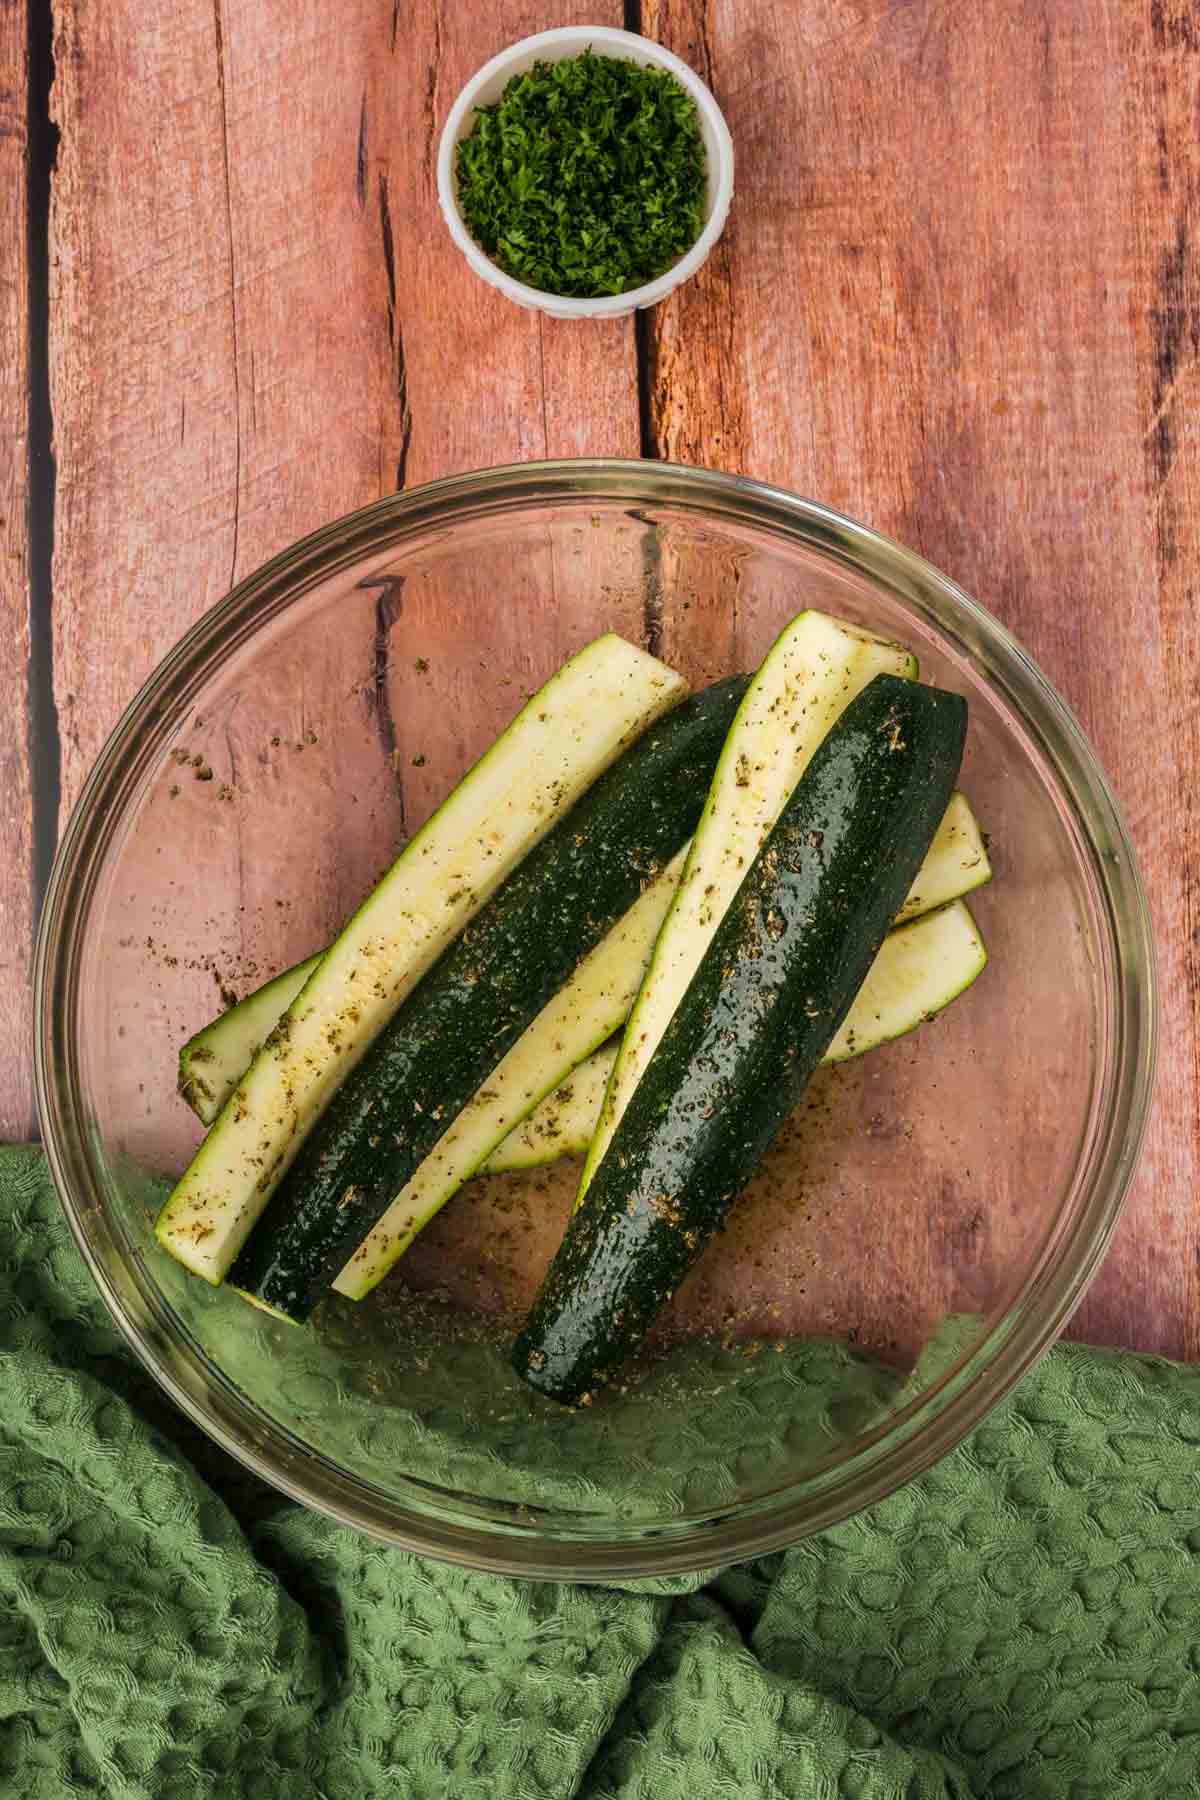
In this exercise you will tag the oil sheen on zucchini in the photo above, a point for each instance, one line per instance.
(921, 967)
(772, 986)
(473, 1006)
(562, 739)
(213, 1061)
(813, 671)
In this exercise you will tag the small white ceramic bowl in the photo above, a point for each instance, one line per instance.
(552, 46)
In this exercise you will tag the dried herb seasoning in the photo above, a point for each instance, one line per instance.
(587, 177)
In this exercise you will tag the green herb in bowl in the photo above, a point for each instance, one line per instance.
(587, 177)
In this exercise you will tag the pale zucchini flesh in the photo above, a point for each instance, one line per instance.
(583, 1013)
(956, 863)
(560, 1125)
(815, 668)
(563, 738)
(920, 968)
(213, 1061)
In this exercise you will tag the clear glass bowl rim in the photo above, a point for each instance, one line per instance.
(912, 1439)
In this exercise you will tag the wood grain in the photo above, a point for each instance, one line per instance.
(16, 798)
(1151, 735)
(958, 298)
(259, 323)
(258, 314)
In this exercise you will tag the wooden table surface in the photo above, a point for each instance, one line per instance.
(959, 297)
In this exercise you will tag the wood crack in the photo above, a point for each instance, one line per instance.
(542, 383)
(395, 331)
(646, 356)
(239, 836)
(706, 46)
(1175, 341)
(388, 608)
(406, 418)
(1167, 402)
(360, 163)
(43, 723)
(237, 389)
(652, 596)
(1174, 334)
(430, 101)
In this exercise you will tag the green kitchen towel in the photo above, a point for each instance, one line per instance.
(1022, 1621)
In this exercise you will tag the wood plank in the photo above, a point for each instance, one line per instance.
(975, 326)
(1155, 765)
(260, 323)
(248, 340)
(483, 381)
(16, 790)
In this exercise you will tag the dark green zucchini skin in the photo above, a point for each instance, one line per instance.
(478, 998)
(776, 981)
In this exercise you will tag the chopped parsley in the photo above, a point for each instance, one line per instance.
(587, 176)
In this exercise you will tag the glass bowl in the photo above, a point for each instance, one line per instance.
(927, 1222)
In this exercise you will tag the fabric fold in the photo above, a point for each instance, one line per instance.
(1023, 1620)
